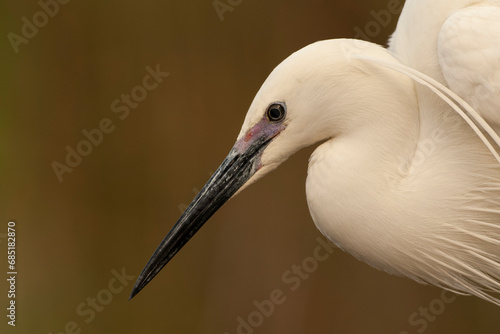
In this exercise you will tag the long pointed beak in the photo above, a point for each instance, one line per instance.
(241, 163)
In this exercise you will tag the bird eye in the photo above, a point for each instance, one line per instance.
(276, 112)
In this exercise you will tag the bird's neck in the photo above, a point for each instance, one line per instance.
(377, 132)
(375, 153)
(352, 178)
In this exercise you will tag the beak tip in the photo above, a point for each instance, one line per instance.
(235, 170)
(135, 290)
(148, 273)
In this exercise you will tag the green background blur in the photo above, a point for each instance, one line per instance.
(112, 211)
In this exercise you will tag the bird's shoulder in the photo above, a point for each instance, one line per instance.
(469, 56)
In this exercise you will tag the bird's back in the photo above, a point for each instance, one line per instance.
(456, 42)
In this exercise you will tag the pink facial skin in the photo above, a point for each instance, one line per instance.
(260, 134)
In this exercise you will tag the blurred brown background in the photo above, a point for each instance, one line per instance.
(112, 210)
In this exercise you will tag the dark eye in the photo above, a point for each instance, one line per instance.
(276, 112)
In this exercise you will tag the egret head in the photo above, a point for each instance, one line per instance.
(313, 95)
(293, 109)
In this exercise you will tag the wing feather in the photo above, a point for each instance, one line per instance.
(469, 55)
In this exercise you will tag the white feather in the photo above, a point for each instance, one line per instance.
(407, 176)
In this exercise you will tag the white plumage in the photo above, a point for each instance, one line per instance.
(470, 41)
(402, 182)
(400, 179)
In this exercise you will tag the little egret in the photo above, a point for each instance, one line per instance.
(407, 174)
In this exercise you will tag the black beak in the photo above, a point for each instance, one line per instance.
(235, 170)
